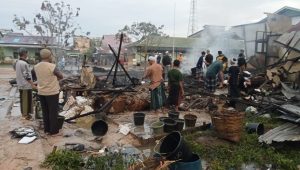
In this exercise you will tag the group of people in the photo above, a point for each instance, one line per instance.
(157, 73)
(46, 84)
(214, 72)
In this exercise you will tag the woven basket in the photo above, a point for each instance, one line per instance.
(228, 124)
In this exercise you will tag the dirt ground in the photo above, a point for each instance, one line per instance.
(14, 156)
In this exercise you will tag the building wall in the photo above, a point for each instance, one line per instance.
(295, 20)
(248, 33)
(11, 53)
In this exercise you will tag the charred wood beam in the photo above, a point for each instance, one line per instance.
(117, 59)
(122, 66)
(102, 109)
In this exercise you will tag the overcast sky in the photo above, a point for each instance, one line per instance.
(108, 16)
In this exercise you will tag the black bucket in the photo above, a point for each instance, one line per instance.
(170, 125)
(139, 119)
(190, 120)
(257, 128)
(180, 124)
(173, 147)
(173, 114)
(60, 121)
(163, 118)
(99, 128)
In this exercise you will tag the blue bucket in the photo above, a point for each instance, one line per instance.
(194, 163)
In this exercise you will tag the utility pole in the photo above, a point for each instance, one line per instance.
(192, 28)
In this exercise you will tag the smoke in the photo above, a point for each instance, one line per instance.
(213, 38)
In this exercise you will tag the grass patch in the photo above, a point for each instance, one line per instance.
(63, 160)
(71, 160)
(225, 155)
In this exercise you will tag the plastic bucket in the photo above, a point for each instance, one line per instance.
(173, 147)
(257, 128)
(170, 125)
(60, 121)
(163, 118)
(139, 119)
(190, 120)
(99, 128)
(173, 114)
(157, 127)
(193, 164)
(180, 124)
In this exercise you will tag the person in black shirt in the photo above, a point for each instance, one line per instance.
(199, 69)
(242, 62)
(166, 61)
(208, 58)
(233, 81)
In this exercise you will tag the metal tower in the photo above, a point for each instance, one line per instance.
(192, 28)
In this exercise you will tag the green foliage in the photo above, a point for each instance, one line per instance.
(248, 150)
(63, 160)
(71, 160)
(113, 162)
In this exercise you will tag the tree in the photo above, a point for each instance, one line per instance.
(142, 32)
(54, 20)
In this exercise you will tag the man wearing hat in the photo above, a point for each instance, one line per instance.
(233, 81)
(154, 73)
(25, 84)
(48, 89)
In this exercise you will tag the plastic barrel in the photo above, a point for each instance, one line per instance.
(190, 120)
(99, 128)
(170, 125)
(157, 127)
(257, 128)
(173, 114)
(139, 119)
(60, 120)
(173, 147)
(179, 124)
(193, 164)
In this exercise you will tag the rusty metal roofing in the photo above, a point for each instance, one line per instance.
(285, 132)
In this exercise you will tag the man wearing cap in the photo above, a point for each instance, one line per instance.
(48, 89)
(154, 73)
(233, 81)
(25, 84)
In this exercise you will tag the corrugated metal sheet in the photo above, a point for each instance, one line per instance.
(285, 132)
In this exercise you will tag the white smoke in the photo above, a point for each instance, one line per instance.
(215, 40)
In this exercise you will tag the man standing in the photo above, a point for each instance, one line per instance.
(208, 58)
(233, 79)
(154, 73)
(175, 85)
(158, 58)
(199, 65)
(48, 90)
(242, 61)
(25, 84)
(220, 58)
(180, 57)
(216, 68)
(166, 61)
